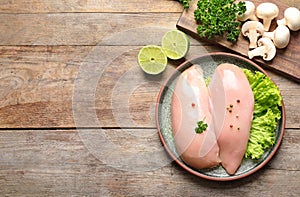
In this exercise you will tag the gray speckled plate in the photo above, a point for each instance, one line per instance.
(208, 63)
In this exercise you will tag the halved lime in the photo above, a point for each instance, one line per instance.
(176, 44)
(152, 59)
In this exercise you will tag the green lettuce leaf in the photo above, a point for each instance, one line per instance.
(266, 114)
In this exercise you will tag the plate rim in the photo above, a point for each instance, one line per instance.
(191, 170)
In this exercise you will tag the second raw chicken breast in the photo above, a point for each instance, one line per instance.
(233, 104)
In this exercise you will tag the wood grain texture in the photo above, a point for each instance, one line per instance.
(74, 28)
(286, 60)
(127, 101)
(58, 163)
(88, 6)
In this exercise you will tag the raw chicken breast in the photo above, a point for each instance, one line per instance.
(233, 104)
(191, 104)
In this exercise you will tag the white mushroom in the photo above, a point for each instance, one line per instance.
(291, 19)
(249, 14)
(280, 36)
(265, 48)
(252, 29)
(267, 12)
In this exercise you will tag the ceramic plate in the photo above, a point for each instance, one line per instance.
(163, 118)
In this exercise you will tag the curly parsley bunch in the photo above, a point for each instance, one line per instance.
(217, 17)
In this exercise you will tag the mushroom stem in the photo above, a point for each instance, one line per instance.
(253, 36)
(267, 23)
(253, 18)
(282, 22)
(269, 34)
(259, 51)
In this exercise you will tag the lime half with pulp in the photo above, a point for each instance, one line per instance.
(152, 59)
(176, 44)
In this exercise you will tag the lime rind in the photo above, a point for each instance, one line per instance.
(176, 44)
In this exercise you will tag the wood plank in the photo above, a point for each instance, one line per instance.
(28, 72)
(57, 163)
(286, 61)
(76, 28)
(57, 6)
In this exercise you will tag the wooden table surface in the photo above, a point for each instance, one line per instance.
(77, 113)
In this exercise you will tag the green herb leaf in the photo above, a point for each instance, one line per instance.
(218, 17)
(185, 3)
(201, 126)
(207, 81)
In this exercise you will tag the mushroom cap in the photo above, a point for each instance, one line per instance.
(252, 25)
(270, 49)
(267, 10)
(281, 36)
(250, 10)
(292, 17)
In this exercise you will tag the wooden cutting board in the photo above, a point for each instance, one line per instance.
(286, 61)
